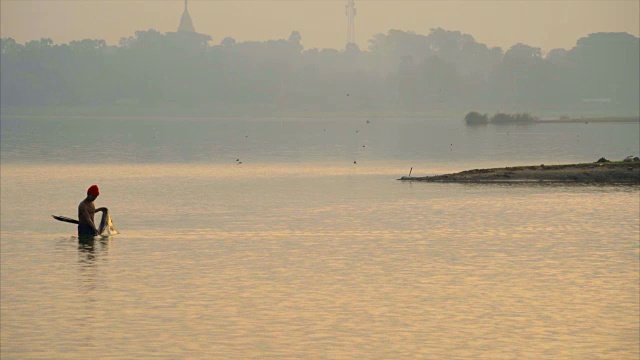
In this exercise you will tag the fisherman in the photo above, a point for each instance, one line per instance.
(86, 212)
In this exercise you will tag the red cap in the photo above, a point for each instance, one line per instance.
(93, 190)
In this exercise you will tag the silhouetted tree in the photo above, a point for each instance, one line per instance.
(399, 71)
(606, 66)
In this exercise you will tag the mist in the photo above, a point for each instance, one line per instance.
(187, 73)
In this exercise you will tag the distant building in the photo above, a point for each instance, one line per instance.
(186, 25)
(351, 12)
(186, 36)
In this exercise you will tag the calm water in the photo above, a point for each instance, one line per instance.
(300, 253)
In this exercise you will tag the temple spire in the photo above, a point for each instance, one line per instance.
(186, 25)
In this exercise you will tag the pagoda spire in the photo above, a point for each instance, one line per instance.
(186, 25)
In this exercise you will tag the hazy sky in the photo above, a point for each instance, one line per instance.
(322, 23)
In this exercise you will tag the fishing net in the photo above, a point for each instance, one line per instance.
(106, 225)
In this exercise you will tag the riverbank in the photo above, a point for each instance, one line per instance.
(599, 173)
(168, 111)
(610, 119)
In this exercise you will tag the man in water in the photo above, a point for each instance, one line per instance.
(86, 211)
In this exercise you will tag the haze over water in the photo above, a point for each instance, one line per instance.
(300, 253)
(248, 156)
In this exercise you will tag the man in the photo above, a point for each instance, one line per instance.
(86, 212)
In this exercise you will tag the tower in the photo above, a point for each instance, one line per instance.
(186, 25)
(350, 11)
(186, 37)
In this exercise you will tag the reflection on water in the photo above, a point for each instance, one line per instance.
(304, 265)
(90, 247)
(92, 255)
(91, 252)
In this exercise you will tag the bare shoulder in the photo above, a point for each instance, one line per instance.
(85, 206)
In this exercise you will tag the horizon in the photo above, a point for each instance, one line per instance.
(548, 25)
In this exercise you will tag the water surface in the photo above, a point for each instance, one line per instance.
(299, 253)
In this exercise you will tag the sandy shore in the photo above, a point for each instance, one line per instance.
(600, 173)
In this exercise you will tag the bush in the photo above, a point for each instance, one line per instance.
(476, 118)
(518, 118)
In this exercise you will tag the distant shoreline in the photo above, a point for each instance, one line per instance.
(585, 173)
(603, 119)
(587, 120)
(170, 112)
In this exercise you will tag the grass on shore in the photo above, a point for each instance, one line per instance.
(562, 166)
(594, 119)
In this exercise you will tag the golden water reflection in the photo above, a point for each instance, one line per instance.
(333, 266)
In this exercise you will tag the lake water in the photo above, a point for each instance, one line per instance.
(298, 252)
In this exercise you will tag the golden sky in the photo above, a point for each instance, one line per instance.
(322, 23)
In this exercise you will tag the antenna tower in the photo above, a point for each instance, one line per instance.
(350, 11)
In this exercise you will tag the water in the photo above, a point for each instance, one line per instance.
(300, 253)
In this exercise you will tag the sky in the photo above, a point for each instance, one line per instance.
(322, 23)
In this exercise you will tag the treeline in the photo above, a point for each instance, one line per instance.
(475, 118)
(400, 71)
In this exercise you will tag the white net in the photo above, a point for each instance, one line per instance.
(106, 225)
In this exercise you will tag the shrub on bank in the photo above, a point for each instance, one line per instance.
(511, 118)
(476, 118)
